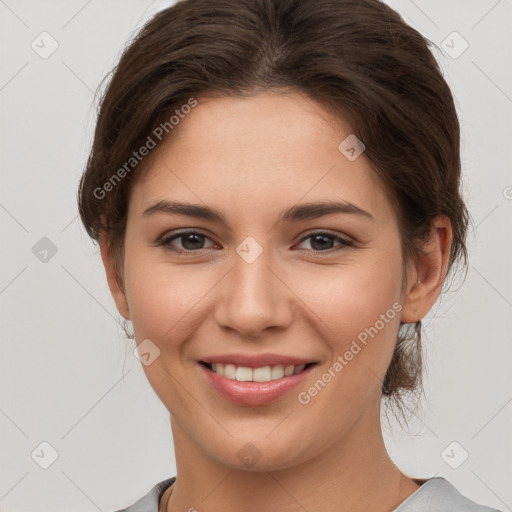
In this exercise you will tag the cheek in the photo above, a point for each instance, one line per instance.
(162, 297)
(359, 308)
(168, 300)
(352, 297)
(165, 301)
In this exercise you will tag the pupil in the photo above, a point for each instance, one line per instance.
(192, 241)
(321, 246)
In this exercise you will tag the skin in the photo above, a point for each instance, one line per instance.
(252, 158)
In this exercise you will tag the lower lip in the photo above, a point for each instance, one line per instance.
(254, 393)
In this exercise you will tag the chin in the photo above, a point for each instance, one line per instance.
(260, 454)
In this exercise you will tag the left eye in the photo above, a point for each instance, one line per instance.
(323, 241)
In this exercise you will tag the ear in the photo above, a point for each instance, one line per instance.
(425, 278)
(114, 281)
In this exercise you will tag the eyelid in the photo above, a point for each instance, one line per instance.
(334, 234)
(344, 241)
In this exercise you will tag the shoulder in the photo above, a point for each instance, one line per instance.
(150, 501)
(435, 495)
(439, 495)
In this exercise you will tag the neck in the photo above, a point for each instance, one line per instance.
(355, 472)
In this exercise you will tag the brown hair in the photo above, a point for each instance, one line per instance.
(358, 57)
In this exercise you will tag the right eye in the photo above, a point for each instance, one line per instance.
(190, 241)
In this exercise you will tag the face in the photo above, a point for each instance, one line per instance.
(270, 288)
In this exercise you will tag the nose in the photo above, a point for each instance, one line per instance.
(253, 298)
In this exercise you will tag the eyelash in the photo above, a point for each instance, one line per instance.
(166, 242)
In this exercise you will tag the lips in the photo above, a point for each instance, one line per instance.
(254, 379)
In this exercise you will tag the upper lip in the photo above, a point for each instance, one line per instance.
(256, 360)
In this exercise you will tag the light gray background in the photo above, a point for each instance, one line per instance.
(63, 352)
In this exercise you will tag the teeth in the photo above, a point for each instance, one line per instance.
(298, 369)
(288, 371)
(263, 374)
(229, 371)
(243, 374)
(277, 372)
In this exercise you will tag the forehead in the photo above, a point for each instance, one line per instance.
(259, 152)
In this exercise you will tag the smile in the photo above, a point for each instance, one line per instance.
(254, 380)
(261, 374)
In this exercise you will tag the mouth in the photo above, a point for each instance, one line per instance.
(261, 374)
(254, 381)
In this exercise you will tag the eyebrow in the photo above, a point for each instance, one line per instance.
(295, 213)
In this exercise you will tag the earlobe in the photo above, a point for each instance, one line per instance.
(113, 280)
(429, 271)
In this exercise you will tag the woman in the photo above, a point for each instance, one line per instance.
(275, 189)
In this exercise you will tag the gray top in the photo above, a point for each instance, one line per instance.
(435, 495)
